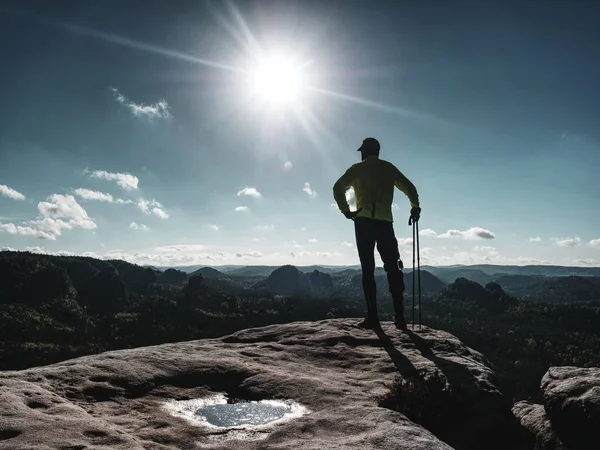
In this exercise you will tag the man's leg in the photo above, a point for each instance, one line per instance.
(387, 246)
(365, 244)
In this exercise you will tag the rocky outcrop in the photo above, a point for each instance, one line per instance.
(534, 419)
(340, 373)
(572, 402)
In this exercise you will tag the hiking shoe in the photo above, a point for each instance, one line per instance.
(369, 324)
(400, 323)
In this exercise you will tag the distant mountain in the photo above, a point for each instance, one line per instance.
(430, 284)
(491, 297)
(533, 270)
(520, 285)
(289, 280)
(194, 268)
(449, 274)
(482, 273)
(252, 271)
(322, 269)
(218, 280)
(545, 271)
(348, 284)
(172, 277)
(345, 273)
(211, 274)
(320, 282)
(566, 290)
(285, 280)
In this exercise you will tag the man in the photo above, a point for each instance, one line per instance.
(373, 180)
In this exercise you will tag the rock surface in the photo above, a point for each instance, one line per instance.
(533, 418)
(339, 372)
(572, 401)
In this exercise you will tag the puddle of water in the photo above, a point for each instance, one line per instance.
(244, 413)
(214, 412)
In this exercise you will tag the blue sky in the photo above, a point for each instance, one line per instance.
(136, 129)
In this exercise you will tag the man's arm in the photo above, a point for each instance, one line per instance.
(409, 189)
(340, 187)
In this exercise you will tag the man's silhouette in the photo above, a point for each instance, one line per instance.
(373, 180)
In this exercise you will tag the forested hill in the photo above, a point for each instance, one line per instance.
(53, 308)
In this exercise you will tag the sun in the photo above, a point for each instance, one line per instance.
(277, 80)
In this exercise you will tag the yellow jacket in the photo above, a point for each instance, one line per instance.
(373, 180)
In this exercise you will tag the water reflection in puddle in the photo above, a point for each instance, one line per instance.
(244, 413)
(216, 412)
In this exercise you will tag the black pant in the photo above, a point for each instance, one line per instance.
(368, 233)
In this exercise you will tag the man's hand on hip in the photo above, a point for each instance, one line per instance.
(351, 214)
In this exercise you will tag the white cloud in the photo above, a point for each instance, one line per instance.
(309, 190)
(351, 198)
(395, 206)
(159, 110)
(348, 244)
(242, 208)
(594, 243)
(160, 213)
(259, 239)
(8, 249)
(313, 241)
(189, 254)
(249, 255)
(251, 192)
(587, 262)
(265, 227)
(567, 242)
(7, 192)
(36, 249)
(138, 226)
(404, 241)
(61, 212)
(151, 207)
(88, 194)
(535, 239)
(295, 244)
(287, 165)
(52, 226)
(214, 227)
(62, 207)
(470, 234)
(181, 248)
(125, 180)
(491, 251)
(428, 232)
(19, 230)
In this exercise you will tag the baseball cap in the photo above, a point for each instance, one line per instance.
(370, 144)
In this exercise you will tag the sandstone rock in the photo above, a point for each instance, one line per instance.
(572, 401)
(533, 418)
(337, 371)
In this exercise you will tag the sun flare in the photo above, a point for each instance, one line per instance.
(277, 80)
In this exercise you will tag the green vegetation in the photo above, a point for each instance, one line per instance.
(55, 308)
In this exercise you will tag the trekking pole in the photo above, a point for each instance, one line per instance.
(412, 222)
(418, 270)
